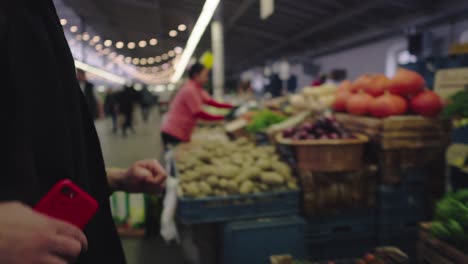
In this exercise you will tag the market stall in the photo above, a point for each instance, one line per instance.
(323, 184)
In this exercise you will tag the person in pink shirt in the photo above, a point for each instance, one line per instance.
(187, 107)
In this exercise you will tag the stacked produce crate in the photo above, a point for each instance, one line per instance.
(338, 189)
(409, 151)
(245, 194)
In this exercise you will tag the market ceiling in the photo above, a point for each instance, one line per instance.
(312, 26)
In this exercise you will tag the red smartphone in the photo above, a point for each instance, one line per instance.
(68, 202)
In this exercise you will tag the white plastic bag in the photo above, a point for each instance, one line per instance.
(168, 226)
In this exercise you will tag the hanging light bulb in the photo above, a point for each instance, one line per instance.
(131, 45)
(96, 38)
(142, 43)
(136, 61)
(151, 60)
(157, 58)
(153, 42)
(128, 60)
(119, 45)
(108, 43)
(171, 53)
(182, 27)
(173, 33)
(73, 29)
(63, 21)
(86, 36)
(143, 61)
(98, 47)
(178, 50)
(164, 56)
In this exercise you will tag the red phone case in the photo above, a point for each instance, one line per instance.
(68, 202)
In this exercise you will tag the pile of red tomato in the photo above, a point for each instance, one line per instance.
(381, 97)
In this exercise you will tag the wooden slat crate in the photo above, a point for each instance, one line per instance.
(434, 251)
(400, 131)
(325, 193)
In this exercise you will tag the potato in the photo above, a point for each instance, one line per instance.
(191, 189)
(228, 171)
(213, 181)
(263, 187)
(267, 149)
(292, 185)
(263, 164)
(271, 178)
(205, 188)
(223, 183)
(281, 168)
(246, 187)
(231, 186)
(205, 171)
(250, 173)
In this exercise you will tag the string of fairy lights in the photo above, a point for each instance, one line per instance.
(158, 66)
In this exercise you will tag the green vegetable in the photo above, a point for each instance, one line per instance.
(452, 219)
(263, 120)
(458, 106)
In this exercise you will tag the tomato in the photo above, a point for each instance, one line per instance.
(345, 86)
(359, 103)
(388, 105)
(427, 104)
(378, 85)
(406, 83)
(361, 83)
(340, 101)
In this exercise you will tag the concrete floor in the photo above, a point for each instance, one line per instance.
(122, 152)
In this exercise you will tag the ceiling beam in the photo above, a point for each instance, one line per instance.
(243, 7)
(306, 8)
(325, 24)
(395, 28)
(257, 33)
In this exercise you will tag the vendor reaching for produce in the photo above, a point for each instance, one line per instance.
(187, 107)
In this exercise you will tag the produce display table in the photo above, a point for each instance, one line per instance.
(434, 251)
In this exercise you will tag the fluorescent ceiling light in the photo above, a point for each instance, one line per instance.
(98, 72)
(197, 32)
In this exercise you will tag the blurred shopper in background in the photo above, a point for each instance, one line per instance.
(111, 108)
(322, 78)
(126, 100)
(51, 136)
(146, 101)
(187, 107)
(90, 93)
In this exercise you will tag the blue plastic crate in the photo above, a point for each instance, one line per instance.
(341, 225)
(346, 235)
(460, 135)
(237, 207)
(254, 241)
(401, 205)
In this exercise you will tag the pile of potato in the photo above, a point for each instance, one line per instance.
(226, 168)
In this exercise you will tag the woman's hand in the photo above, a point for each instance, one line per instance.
(30, 237)
(145, 176)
